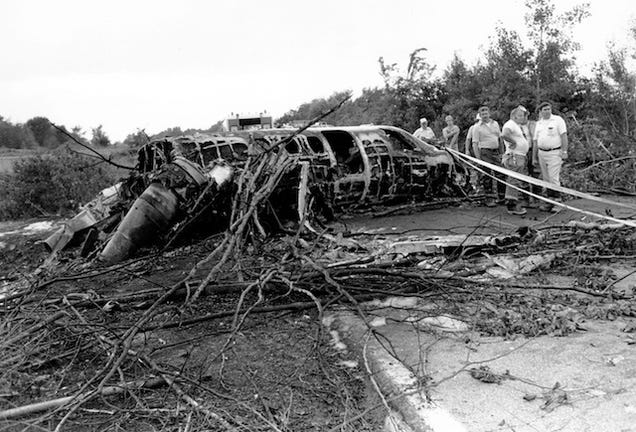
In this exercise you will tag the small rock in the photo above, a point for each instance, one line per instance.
(378, 322)
(614, 360)
(351, 364)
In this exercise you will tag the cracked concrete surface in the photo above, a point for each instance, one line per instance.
(595, 369)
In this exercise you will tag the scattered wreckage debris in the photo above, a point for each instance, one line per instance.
(271, 276)
(189, 182)
(552, 398)
(485, 375)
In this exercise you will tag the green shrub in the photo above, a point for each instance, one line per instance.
(53, 183)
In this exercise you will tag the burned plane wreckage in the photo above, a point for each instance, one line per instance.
(186, 183)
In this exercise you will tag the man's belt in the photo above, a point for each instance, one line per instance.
(550, 149)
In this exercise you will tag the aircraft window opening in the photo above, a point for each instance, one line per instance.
(341, 143)
(315, 144)
(225, 152)
(240, 149)
(209, 152)
(345, 150)
(292, 147)
(398, 142)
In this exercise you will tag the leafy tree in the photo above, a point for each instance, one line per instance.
(216, 127)
(310, 110)
(553, 47)
(413, 95)
(78, 134)
(506, 75)
(15, 136)
(136, 139)
(45, 134)
(463, 90)
(100, 139)
(41, 129)
(615, 85)
(169, 132)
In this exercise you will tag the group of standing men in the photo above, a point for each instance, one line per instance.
(520, 145)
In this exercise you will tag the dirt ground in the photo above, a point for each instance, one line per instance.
(278, 371)
(269, 366)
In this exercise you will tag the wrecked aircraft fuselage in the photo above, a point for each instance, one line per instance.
(187, 181)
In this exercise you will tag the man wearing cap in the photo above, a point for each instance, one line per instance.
(424, 132)
(515, 157)
(486, 142)
(551, 148)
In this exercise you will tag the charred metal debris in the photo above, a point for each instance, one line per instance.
(186, 184)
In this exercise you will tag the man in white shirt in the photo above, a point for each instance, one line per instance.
(515, 157)
(424, 132)
(551, 148)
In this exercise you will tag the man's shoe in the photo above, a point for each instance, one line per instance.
(516, 209)
(490, 202)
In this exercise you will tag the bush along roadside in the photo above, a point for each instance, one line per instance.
(53, 183)
(599, 160)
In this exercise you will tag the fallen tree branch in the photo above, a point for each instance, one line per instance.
(183, 395)
(618, 159)
(26, 410)
(56, 316)
(296, 306)
(78, 276)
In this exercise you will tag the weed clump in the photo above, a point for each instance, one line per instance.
(52, 184)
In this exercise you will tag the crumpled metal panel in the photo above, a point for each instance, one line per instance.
(337, 168)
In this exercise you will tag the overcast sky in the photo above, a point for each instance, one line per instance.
(130, 64)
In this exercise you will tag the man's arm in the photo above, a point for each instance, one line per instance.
(454, 136)
(535, 144)
(563, 129)
(506, 135)
(450, 135)
(564, 145)
(502, 148)
(468, 143)
(431, 138)
(475, 140)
